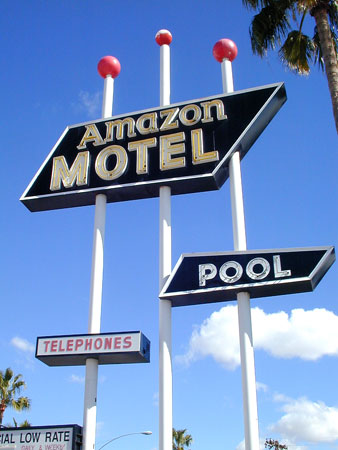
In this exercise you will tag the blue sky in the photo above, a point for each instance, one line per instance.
(49, 52)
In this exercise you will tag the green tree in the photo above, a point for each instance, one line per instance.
(181, 439)
(271, 443)
(10, 387)
(280, 23)
(24, 424)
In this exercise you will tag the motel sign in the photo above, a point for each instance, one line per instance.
(186, 146)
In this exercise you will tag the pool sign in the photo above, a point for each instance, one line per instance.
(186, 146)
(58, 437)
(216, 277)
(107, 348)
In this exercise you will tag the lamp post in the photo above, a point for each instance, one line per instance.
(123, 435)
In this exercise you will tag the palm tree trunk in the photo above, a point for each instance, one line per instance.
(329, 55)
(2, 410)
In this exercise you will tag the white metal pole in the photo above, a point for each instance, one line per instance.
(108, 95)
(163, 38)
(109, 68)
(94, 323)
(165, 359)
(227, 80)
(225, 51)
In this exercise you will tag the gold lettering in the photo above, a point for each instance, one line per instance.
(119, 126)
(172, 145)
(197, 113)
(169, 121)
(91, 134)
(141, 148)
(147, 123)
(78, 172)
(120, 165)
(198, 155)
(219, 105)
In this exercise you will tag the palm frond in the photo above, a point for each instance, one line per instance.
(25, 424)
(297, 52)
(318, 55)
(10, 387)
(16, 378)
(21, 403)
(8, 375)
(255, 4)
(332, 13)
(181, 439)
(269, 26)
(15, 424)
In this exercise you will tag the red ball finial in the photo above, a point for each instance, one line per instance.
(163, 37)
(109, 65)
(225, 49)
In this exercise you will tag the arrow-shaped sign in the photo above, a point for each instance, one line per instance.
(186, 146)
(216, 277)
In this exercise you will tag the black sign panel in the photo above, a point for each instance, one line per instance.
(217, 277)
(186, 146)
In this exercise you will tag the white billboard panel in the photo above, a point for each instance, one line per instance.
(108, 348)
(63, 437)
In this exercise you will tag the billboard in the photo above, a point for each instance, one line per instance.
(58, 437)
(107, 348)
(217, 277)
(186, 146)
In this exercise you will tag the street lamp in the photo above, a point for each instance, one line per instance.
(123, 435)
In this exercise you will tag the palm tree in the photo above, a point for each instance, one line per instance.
(24, 424)
(10, 387)
(181, 439)
(272, 27)
(271, 443)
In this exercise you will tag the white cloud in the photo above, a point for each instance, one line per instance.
(303, 334)
(77, 379)
(312, 422)
(241, 445)
(99, 426)
(91, 103)
(156, 399)
(81, 380)
(22, 344)
(217, 337)
(261, 387)
(277, 397)
(102, 379)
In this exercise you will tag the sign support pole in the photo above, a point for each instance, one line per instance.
(225, 52)
(163, 38)
(109, 68)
